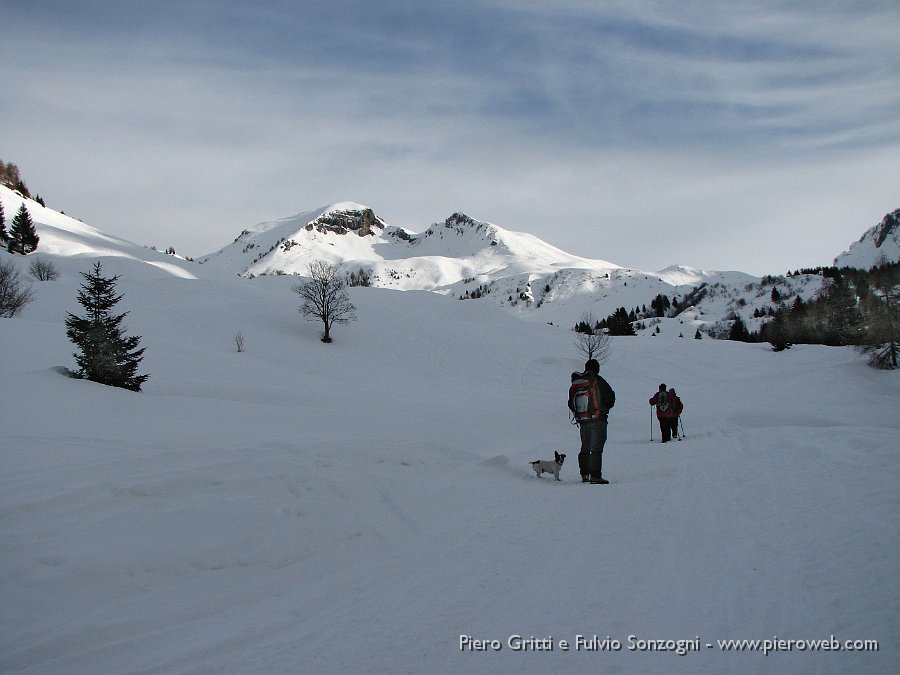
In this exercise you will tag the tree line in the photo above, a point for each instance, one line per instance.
(859, 308)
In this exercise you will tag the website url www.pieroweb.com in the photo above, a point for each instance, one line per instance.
(777, 644)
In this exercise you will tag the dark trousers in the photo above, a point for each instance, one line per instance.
(669, 428)
(593, 438)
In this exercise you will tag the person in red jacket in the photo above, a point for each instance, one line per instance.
(668, 409)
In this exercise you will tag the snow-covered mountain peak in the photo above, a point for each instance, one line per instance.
(347, 217)
(344, 231)
(339, 218)
(683, 275)
(459, 234)
(467, 258)
(880, 244)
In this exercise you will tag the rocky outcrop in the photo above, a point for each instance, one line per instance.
(890, 224)
(362, 223)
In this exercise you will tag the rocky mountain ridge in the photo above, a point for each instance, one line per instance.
(468, 259)
(878, 245)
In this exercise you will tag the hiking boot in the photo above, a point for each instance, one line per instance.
(599, 480)
(585, 479)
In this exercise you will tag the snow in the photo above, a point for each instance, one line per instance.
(437, 259)
(463, 257)
(878, 245)
(360, 506)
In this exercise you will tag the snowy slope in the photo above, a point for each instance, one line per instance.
(353, 236)
(251, 512)
(360, 506)
(470, 259)
(63, 236)
(344, 231)
(879, 244)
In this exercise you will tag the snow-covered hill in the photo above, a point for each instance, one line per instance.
(470, 259)
(364, 506)
(879, 244)
(460, 257)
(353, 236)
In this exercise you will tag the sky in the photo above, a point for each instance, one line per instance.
(758, 136)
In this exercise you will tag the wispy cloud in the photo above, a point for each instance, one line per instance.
(641, 132)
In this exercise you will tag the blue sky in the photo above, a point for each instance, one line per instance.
(757, 135)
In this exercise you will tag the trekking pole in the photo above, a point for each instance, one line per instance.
(682, 426)
(651, 424)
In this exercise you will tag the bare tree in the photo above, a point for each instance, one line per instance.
(325, 297)
(590, 341)
(13, 295)
(43, 270)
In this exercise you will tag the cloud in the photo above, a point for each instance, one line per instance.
(671, 130)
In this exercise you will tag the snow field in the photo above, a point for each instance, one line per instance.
(357, 507)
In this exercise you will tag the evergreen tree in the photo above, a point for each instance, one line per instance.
(880, 306)
(107, 355)
(660, 304)
(839, 318)
(23, 237)
(619, 322)
(4, 235)
(739, 331)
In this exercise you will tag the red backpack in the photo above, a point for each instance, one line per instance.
(583, 399)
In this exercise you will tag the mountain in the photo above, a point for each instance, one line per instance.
(880, 244)
(352, 235)
(367, 506)
(460, 257)
(469, 259)
(465, 258)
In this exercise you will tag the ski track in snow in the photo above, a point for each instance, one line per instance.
(357, 507)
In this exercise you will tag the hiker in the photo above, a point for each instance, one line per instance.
(590, 399)
(668, 409)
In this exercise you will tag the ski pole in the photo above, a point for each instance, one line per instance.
(682, 426)
(651, 424)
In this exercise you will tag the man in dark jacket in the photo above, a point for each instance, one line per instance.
(668, 410)
(592, 420)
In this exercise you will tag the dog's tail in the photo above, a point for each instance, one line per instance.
(537, 461)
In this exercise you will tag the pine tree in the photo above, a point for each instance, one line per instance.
(23, 237)
(739, 331)
(660, 305)
(4, 235)
(107, 356)
(620, 322)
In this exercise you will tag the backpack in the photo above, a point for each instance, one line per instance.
(662, 403)
(583, 401)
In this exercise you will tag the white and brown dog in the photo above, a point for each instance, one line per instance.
(546, 466)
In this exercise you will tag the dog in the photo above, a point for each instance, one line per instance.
(546, 466)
